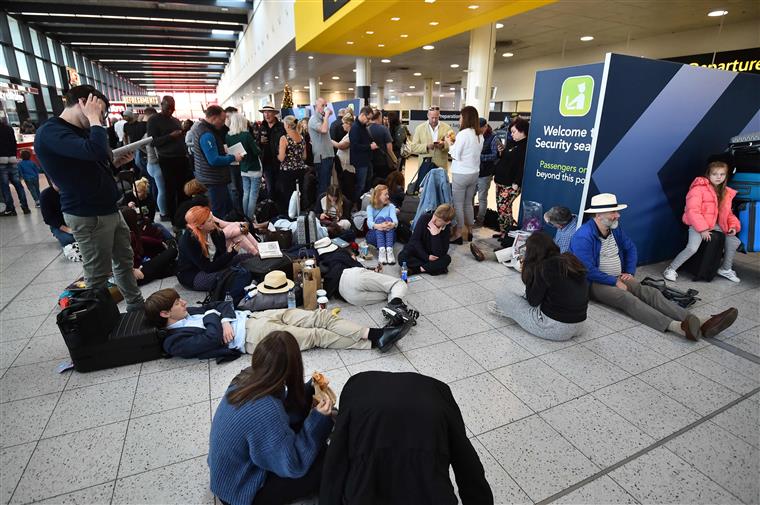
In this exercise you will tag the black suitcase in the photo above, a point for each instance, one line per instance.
(99, 337)
(259, 268)
(705, 263)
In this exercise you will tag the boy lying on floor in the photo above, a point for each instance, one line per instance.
(217, 330)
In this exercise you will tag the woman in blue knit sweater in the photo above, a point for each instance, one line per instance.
(267, 444)
(382, 221)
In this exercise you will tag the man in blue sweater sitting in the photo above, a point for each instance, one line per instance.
(74, 150)
(610, 257)
(212, 163)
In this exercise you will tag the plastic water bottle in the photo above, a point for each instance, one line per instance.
(228, 297)
(291, 299)
(404, 273)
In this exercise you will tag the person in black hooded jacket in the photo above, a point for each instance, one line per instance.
(508, 174)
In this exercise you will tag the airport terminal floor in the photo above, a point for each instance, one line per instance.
(624, 414)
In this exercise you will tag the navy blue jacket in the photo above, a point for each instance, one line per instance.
(586, 244)
(360, 148)
(202, 343)
(79, 163)
(191, 259)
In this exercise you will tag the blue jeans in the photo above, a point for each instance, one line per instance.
(219, 196)
(33, 185)
(361, 180)
(251, 187)
(382, 238)
(154, 170)
(63, 238)
(324, 174)
(9, 175)
(235, 187)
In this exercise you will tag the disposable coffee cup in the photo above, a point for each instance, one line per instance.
(321, 293)
(322, 302)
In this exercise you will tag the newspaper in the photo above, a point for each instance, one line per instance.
(236, 149)
(269, 250)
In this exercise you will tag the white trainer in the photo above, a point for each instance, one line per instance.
(729, 274)
(382, 257)
(389, 256)
(670, 274)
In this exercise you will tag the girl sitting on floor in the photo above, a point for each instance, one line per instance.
(334, 210)
(382, 221)
(428, 249)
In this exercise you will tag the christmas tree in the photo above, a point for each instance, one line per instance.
(287, 97)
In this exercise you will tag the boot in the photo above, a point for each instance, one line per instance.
(391, 335)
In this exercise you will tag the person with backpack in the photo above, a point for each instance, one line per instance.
(554, 303)
(708, 208)
(399, 134)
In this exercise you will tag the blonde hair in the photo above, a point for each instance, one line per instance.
(445, 212)
(289, 122)
(303, 126)
(376, 192)
(141, 184)
(348, 118)
(238, 123)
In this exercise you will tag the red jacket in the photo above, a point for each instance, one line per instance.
(702, 212)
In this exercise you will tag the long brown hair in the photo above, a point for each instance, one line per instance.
(395, 180)
(195, 218)
(720, 189)
(470, 119)
(539, 248)
(275, 365)
(335, 192)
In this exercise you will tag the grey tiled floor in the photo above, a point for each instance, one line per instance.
(543, 416)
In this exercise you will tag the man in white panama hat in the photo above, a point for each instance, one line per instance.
(610, 257)
(268, 140)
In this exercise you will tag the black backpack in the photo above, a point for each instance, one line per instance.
(232, 281)
(683, 298)
(266, 210)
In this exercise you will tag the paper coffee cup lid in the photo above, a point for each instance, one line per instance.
(322, 299)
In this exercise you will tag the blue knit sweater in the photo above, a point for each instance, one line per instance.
(254, 438)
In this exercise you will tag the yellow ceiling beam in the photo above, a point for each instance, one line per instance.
(353, 21)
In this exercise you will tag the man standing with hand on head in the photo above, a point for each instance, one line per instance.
(74, 150)
(169, 142)
(319, 131)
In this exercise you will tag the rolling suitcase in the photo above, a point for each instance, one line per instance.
(705, 263)
(750, 232)
(99, 337)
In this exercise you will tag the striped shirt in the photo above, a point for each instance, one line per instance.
(609, 256)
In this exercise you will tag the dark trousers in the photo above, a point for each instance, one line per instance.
(286, 184)
(159, 267)
(324, 174)
(437, 267)
(270, 180)
(176, 173)
(235, 188)
(219, 197)
(278, 490)
(361, 180)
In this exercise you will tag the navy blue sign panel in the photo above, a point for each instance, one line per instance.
(560, 136)
(660, 121)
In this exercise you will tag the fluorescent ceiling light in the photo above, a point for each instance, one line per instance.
(311, 57)
(335, 77)
(433, 23)
(395, 19)
(454, 65)
(508, 55)
(473, 7)
(428, 48)
(369, 32)
(350, 89)
(222, 32)
(381, 45)
(404, 35)
(389, 80)
(717, 14)
(412, 87)
(417, 74)
(452, 89)
(499, 25)
(437, 82)
(587, 38)
(350, 42)
(385, 60)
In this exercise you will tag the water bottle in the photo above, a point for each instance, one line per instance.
(404, 273)
(291, 299)
(228, 297)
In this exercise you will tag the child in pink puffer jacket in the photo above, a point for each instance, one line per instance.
(708, 207)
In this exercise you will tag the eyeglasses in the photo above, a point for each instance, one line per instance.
(434, 107)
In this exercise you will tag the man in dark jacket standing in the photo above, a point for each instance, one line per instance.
(168, 140)
(212, 163)
(360, 149)
(268, 140)
(74, 150)
(406, 429)
(488, 158)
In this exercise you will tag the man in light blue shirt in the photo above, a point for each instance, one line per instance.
(566, 223)
(321, 145)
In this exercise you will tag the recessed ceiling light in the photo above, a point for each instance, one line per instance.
(473, 7)
(369, 32)
(433, 23)
(437, 82)
(258, 87)
(454, 65)
(381, 45)
(391, 91)
(350, 89)
(404, 35)
(508, 55)
(429, 1)
(428, 48)
(267, 83)
(321, 83)
(311, 57)
(389, 80)
(412, 87)
(587, 38)
(452, 89)
(385, 60)
(335, 77)
(395, 19)
(353, 70)
(350, 42)
(417, 74)
(499, 25)
(276, 76)
(717, 14)
(291, 68)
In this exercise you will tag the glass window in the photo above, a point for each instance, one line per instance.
(15, 33)
(46, 99)
(51, 50)
(23, 70)
(41, 72)
(30, 103)
(65, 54)
(57, 76)
(35, 42)
(3, 65)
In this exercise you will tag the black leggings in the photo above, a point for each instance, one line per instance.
(278, 490)
(437, 267)
(286, 184)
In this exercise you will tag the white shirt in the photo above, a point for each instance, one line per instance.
(433, 131)
(466, 152)
(118, 127)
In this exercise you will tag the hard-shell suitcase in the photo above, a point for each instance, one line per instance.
(706, 261)
(750, 221)
(747, 186)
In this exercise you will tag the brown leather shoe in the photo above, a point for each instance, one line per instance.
(719, 322)
(690, 326)
(475, 250)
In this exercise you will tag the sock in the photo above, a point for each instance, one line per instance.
(675, 327)
(374, 335)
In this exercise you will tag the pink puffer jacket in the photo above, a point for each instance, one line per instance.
(702, 210)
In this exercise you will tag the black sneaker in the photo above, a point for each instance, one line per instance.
(399, 313)
(26, 210)
(11, 212)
